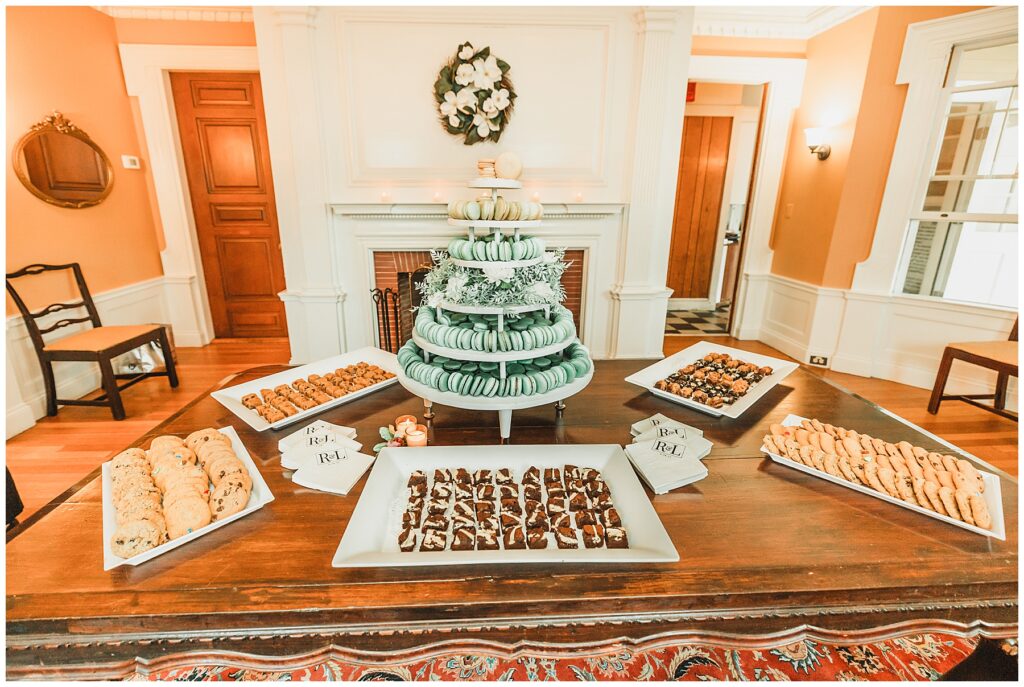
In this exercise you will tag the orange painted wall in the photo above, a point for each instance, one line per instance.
(827, 211)
(170, 32)
(66, 59)
(732, 46)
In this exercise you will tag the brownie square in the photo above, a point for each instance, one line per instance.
(532, 493)
(464, 539)
(411, 518)
(508, 491)
(556, 505)
(532, 505)
(537, 519)
(407, 539)
(532, 476)
(442, 490)
(565, 537)
(436, 506)
(417, 491)
(487, 540)
(483, 509)
(552, 475)
(462, 476)
(596, 488)
(592, 475)
(571, 472)
(484, 492)
(464, 509)
(536, 539)
(616, 537)
(482, 477)
(576, 485)
(435, 522)
(460, 522)
(584, 517)
(561, 521)
(602, 502)
(514, 538)
(443, 475)
(556, 492)
(434, 540)
(418, 477)
(593, 536)
(463, 491)
(504, 476)
(610, 518)
(508, 521)
(488, 523)
(578, 502)
(511, 506)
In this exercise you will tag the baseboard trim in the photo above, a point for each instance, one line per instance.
(690, 304)
(19, 418)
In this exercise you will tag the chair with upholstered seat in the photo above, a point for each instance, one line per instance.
(1000, 356)
(99, 344)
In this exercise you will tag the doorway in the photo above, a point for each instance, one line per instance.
(717, 157)
(223, 136)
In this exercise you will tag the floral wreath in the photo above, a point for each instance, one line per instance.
(474, 95)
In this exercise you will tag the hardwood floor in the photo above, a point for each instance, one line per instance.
(57, 452)
(985, 435)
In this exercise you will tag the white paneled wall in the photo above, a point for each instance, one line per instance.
(140, 303)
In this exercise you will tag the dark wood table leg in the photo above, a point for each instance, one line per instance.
(172, 372)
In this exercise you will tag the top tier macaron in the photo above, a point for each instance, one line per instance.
(497, 210)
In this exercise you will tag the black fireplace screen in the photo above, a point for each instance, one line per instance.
(394, 309)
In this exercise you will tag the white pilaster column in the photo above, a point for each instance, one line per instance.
(289, 64)
(640, 296)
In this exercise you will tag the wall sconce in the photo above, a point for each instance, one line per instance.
(816, 142)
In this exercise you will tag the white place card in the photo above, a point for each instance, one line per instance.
(664, 465)
(671, 428)
(644, 425)
(318, 428)
(312, 446)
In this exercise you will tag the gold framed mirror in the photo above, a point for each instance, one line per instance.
(58, 163)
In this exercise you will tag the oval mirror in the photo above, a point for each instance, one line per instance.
(60, 164)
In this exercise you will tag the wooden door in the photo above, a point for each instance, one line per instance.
(702, 161)
(224, 141)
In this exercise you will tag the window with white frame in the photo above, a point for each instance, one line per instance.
(962, 239)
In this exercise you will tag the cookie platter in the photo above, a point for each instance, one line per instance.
(992, 493)
(648, 377)
(231, 397)
(371, 537)
(258, 497)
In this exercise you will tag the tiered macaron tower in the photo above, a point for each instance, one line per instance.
(492, 334)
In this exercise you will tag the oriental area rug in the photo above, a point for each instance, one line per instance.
(910, 657)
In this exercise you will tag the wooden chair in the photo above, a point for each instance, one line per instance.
(1000, 356)
(99, 344)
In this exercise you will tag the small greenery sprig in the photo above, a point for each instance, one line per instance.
(392, 439)
(539, 284)
(474, 95)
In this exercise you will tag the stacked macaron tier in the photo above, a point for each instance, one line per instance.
(473, 332)
(496, 248)
(527, 377)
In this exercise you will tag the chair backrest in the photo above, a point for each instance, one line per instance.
(34, 331)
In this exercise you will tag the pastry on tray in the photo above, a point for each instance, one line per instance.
(176, 487)
(941, 483)
(287, 400)
(715, 380)
(499, 513)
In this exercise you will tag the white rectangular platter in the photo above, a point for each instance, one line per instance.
(231, 397)
(371, 538)
(259, 497)
(993, 494)
(647, 377)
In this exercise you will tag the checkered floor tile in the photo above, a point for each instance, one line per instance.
(698, 322)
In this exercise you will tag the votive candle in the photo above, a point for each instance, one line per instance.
(414, 437)
(404, 423)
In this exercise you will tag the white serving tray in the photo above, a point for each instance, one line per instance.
(647, 377)
(259, 497)
(494, 182)
(371, 538)
(231, 397)
(993, 494)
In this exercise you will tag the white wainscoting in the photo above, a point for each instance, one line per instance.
(143, 302)
(899, 338)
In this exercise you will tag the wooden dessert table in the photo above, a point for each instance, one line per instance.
(766, 553)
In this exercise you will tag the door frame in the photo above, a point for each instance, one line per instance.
(784, 77)
(146, 69)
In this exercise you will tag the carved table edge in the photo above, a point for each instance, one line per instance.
(331, 651)
(28, 641)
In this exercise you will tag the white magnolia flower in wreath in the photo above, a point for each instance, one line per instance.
(474, 95)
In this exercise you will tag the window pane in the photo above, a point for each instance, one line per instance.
(975, 262)
(985, 196)
(991, 64)
(986, 99)
(978, 144)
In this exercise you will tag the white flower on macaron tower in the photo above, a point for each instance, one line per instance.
(541, 290)
(498, 274)
(435, 299)
(549, 257)
(456, 285)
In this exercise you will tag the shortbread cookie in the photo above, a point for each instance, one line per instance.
(135, 537)
(186, 515)
(167, 441)
(228, 498)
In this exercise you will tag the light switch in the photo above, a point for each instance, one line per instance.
(130, 162)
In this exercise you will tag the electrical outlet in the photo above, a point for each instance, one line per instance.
(819, 360)
(130, 162)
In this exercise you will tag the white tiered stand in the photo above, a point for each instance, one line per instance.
(504, 406)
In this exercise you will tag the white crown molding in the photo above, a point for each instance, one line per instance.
(770, 22)
(216, 14)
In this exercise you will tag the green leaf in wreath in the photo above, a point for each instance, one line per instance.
(472, 137)
(483, 54)
(502, 64)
